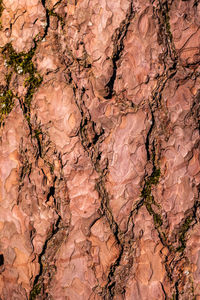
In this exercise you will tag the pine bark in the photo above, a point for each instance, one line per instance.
(99, 149)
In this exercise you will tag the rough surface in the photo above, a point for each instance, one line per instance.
(99, 155)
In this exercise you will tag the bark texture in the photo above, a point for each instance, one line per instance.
(99, 149)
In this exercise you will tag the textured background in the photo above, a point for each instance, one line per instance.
(99, 149)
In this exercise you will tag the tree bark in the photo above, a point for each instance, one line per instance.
(99, 149)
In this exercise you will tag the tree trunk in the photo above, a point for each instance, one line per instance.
(99, 149)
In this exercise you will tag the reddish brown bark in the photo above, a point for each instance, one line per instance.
(99, 163)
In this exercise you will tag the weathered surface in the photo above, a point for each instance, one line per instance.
(99, 155)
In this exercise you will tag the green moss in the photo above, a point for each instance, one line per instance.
(157, 220)
(51, 166)
(33, 82)
(148, 197)
(156, 217)
(8, 78)
(1, 10)
(6, 99)
(37, 133)
(167, 24)
(152, 180)
(184, 228)
(1, 7)
(35, 291)
(6, 104)
(22, 64)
